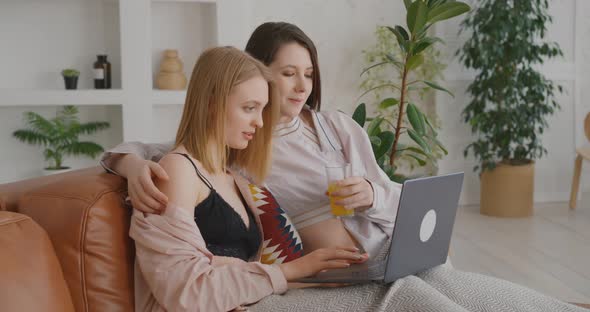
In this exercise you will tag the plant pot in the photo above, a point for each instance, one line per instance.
(507, 191)
(71, 83)
(48, 171)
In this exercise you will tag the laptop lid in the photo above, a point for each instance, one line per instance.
(424, 224)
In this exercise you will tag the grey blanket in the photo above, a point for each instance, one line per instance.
(442, 288)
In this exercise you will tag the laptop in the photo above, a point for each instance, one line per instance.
(421, 235)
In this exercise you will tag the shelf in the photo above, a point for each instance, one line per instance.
(189, 27)
(47, 36)
(26, 97)
(168, 97)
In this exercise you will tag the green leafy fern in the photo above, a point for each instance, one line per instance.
(60, 135)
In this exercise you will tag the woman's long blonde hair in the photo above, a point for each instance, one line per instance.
(217, 71)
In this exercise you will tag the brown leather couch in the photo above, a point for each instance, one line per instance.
(64, 244)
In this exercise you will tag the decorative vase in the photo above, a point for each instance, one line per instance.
(507, 191)
(71, 82)
(47, 171)
(102, 72)
(171, 76)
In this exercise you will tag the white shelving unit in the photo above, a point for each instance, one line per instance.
(32, 97)
(42, 38)
(132, 33)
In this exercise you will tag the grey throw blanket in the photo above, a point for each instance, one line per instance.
(442, 288)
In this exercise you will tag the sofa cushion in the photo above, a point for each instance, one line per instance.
(88, 225)
(32, 279)
(281, 242)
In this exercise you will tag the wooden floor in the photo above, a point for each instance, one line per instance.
(549, 252)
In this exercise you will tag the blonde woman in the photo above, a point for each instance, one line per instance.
(194, 257)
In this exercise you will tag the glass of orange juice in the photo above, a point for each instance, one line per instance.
(336, 173)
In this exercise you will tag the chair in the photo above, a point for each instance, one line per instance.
(581, 154)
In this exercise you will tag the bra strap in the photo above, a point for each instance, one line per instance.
(209, 185)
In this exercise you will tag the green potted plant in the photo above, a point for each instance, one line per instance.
(59, 136)
(408, 120)
(70, 78)
(510, 99)
(411, 164)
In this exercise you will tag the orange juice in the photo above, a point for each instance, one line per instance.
(338, 210)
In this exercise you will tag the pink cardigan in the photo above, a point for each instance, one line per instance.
(174, 270)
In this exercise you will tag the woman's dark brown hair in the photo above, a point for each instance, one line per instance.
(266, 40)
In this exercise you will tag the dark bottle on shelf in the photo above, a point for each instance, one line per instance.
(102, 73)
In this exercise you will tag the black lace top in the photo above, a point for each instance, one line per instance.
(222, 227)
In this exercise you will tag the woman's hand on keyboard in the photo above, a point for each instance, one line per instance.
(319, 260)
(322, 285)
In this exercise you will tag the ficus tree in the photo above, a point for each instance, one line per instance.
(510, 98)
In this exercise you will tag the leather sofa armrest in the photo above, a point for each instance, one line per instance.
(32, 279)
(86, 218)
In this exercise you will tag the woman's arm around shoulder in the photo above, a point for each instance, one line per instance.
(135, 161)
(152, 151)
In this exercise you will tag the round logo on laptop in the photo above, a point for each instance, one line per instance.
(428, 225)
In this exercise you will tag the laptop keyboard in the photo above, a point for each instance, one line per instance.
(372, 270)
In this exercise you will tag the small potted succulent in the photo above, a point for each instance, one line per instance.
(70, 78)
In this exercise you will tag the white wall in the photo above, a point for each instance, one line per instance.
(341, 30)
(36, 47)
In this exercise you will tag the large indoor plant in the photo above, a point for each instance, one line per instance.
(510, 99)
(60, 136)
(377, 99)
(409, 120)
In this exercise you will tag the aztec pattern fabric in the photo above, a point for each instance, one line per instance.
(281, 242)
